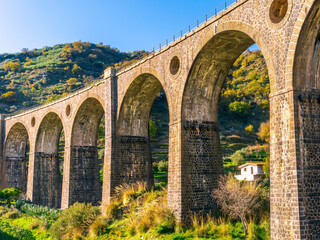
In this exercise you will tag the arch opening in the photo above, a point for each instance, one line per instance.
(306, 70)
(85, 164)
(201, 151)
(48, 163)
(134, 157)
(15, 167)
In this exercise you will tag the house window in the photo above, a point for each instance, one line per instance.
(245, 169)
(251, 170)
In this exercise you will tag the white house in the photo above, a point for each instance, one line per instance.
(251, 171)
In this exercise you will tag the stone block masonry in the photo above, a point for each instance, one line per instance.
(191, 71)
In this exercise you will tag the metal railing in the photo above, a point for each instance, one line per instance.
(178, 36)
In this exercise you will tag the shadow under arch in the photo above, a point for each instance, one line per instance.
(85, 185)
(200, 143)
(14, 168)
(134, 154)
(306, 67)
(47, 177)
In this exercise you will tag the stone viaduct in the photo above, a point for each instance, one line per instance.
(191, 71)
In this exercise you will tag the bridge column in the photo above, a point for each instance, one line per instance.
(2, 160)
(109, 166)
(195, 165)
(47, 182)
(295, 165)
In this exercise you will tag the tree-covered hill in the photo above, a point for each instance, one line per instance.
(43, 75)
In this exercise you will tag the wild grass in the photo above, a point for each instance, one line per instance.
(135, 213)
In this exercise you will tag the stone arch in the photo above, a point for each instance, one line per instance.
(200, 142)
(245, 29)
(293, 43)
(85, 183)
(148, 71)
(15, 157)
(47, 178)
(134, 156)
(306, 66)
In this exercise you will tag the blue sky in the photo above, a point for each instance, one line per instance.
(124, 24)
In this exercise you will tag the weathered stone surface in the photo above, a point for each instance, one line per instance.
(192, 71)
(85, 185)
(134, 160)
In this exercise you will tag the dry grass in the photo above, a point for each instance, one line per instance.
(126, 192)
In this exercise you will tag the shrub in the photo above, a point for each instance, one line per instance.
(9, 195)
(126, 192)
(76, 69)
(264, 132)
(240, 108)
(153, 214)
(153, 128)
(74, 221)
(163, 166)
(12, 66)
(72, 81)
(239, 156)
(249, 131)
(266, 167)
(9, 97)
(239, 200)
(14, 232)
(41, 212)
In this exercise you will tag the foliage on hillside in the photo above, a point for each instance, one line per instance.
(43, 75)
(245, 95)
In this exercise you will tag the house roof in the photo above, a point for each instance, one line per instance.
(253, 163)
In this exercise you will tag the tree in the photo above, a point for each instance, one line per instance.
(9, 96)
(12, 66)
(72, 81)
(25, 50)
(266, 167)
(240, 108)
(239, 156)
(238, 199)
(76, 69)
(249, 131)
(153, 128)
(264, 131)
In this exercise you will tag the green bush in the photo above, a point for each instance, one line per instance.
(9, 195)
(75, 221)
(45, 213)
(9, 97)
(239, 156)
(163, 166)
(14, 232)
(240, 108)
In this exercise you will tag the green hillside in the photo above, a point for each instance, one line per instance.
(42, 75)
